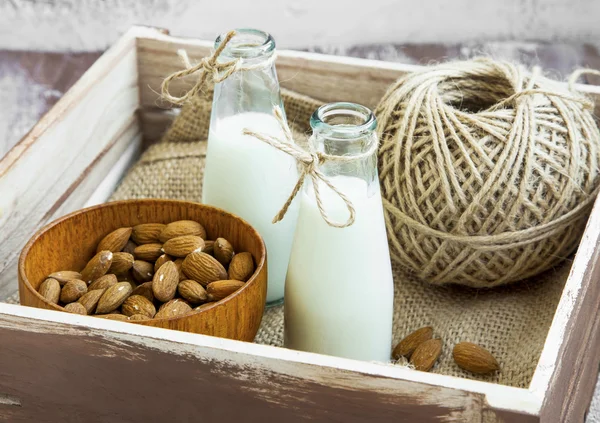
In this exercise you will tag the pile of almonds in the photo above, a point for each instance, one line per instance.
(150, 271)
(423, 352)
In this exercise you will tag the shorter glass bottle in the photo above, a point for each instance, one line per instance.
(339, 288)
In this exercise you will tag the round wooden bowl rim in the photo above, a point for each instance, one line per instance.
(260, 265)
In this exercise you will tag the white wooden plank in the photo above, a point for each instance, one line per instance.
(123, 163)
(459, 400)
(95, 185)
(324, 77)
(61, 151)
(568, 365)
(327, 78)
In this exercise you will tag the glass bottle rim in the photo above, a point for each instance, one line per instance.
(319, 121)
(247, 43)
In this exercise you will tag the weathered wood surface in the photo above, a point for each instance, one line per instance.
(31, 83)
(567, 370)
(114, 371)
(87, 131)
(91, 24)
(359, 80)
(579, 381)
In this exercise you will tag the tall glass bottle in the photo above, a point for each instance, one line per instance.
(244, 175)
(339, 287)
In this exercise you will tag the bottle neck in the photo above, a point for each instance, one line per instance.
(346, 129)
(255, 87)
(249, 45)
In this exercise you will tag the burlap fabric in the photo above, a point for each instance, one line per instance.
(511, 322)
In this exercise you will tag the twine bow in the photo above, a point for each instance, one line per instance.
(209, 69)
(309, 162)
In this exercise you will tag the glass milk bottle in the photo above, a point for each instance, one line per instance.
(339, 288)
(244, 175)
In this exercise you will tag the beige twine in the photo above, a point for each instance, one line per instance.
(208, 67)
(488, 171)
(309, 162)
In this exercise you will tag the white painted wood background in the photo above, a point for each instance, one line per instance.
(80, 25)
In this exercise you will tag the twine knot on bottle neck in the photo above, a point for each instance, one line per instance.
(209, 69)
(310, 162)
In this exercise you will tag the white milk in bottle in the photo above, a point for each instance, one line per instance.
(339, 287)
(243, 175)
(252, 180)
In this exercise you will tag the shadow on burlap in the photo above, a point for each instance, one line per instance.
(512, 322)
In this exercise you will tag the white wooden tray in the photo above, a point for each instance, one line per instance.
(62, 367)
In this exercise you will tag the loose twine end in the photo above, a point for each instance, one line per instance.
(309, 163)
(208, 66)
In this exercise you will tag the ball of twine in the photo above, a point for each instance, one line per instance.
(488, 171)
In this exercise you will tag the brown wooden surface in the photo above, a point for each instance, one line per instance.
(95, 372)
(30, 82)
(70, 242)
(577, 382)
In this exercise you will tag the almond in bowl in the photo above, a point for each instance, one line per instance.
(169, 278)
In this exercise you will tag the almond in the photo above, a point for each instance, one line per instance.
(138, 304)
(221, 289)
(76, 308)
(203, 268)
(103, 282)
(73, 290)
(129, 247)
(409, 344)
(97, 266)
(164, 283)
(142, 271)
(147, 233)
(50, 290)
(120, 317)
(179, 264)
(180, 228)
(138, 317)
(181, 246)
(64, 276)
(473, 358)
(173, 308)
(192, 291)
(90, 300)
(209, 247)
(223, 251)
(426, 354)
(114, 241)
(148, 252)
(121, 263)
(130, 282)
(144, 290)
(241, 267)
(162, 260)
(113, 297)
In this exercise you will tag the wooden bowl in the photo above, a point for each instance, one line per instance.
(69, 242)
